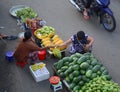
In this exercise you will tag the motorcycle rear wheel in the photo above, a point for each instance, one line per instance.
(108, 22)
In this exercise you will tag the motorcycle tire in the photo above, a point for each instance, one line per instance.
(108, 22)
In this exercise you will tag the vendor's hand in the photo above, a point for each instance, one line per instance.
(51, 46)
(57, 46)
(87, 47)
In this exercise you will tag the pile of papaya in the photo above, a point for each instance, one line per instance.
(79, 69)
(54, 40)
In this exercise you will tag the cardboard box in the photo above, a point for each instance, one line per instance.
(40, 74)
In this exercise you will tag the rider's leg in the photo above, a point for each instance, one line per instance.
(87, 6)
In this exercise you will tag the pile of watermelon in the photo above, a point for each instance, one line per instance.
(79, 69)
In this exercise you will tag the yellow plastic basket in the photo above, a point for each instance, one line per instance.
(39, 36)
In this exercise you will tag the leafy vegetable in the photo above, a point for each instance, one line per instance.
(57, 52)
(25, 13)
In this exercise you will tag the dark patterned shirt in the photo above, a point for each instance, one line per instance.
(78, 45)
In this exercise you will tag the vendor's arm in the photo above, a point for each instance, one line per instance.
(32, 40)
(66, 43)
(90, 42)
(33, 46)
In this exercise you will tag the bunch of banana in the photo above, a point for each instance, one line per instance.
(41, 65)
(34, 67)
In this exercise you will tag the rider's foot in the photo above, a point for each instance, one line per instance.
(85, 15)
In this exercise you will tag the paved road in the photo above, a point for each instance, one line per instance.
(61, 15)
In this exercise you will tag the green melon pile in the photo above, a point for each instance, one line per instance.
(79, 69)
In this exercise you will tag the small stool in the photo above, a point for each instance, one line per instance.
(55, 83)
(56, 86)
(9, 56)
(21, 64)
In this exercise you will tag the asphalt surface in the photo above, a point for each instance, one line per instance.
(61, 15)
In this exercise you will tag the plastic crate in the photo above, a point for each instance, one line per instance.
(40, 74)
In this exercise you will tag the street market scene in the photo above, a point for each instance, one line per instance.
(59, 46)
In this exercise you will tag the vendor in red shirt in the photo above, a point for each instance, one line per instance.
(27, 49)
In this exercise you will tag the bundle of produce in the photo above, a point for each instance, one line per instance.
(100, 84)
(79, 69)
(57, 53)
(26, 13)
(41, 65)
(34, 67)
(45, 31)
(37, 66)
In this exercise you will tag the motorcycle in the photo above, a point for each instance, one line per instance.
(100, 9)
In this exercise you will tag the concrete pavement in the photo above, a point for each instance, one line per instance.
(66, 20)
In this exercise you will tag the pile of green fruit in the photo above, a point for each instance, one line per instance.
(100, 84)
(79, 69)
(26, 13)
(45, 31)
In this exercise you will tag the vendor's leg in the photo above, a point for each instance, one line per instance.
(85, 8)
(33, 57)
(8, 37)
(11, 37)
(3, 36)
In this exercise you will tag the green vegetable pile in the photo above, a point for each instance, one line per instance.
(79, 69)
(100, 84)
(25, 13)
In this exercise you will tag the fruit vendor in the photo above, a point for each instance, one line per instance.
(27, 49)
(80, 42)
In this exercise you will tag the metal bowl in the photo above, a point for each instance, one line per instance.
(16, 8)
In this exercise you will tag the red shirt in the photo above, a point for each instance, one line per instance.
(24, 48)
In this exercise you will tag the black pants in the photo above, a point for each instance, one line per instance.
(87, 3)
